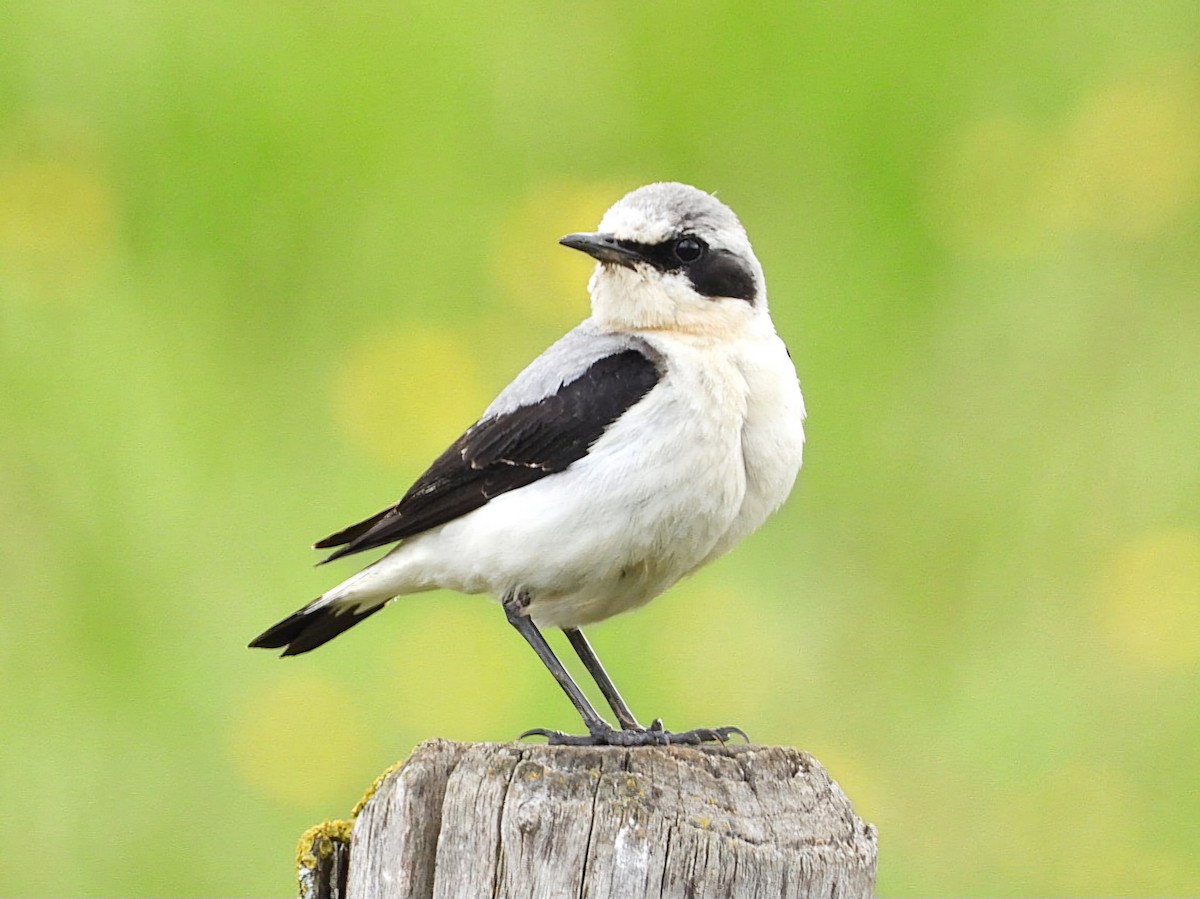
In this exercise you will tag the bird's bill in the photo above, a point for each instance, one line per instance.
(603, 248)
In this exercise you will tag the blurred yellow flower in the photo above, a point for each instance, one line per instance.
(57, 213)
(456, 645)
(1151, 606)
(300, 740)
(545, 281)
(403, 395)
(1130, 160)
(1126, 163)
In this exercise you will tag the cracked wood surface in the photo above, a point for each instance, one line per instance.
(519, 820)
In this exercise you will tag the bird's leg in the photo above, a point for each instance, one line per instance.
(632, 733)
(591, 662)
(514, 608)
(600, 732)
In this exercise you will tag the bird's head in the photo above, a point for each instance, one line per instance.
(672, 257)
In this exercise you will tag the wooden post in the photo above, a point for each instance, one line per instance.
(518, 820)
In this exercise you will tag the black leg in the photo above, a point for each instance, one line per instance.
(591, 662)
(514, 607)
(600, 732)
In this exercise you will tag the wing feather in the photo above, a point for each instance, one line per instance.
(509, 450)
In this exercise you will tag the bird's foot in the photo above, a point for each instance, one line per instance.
(654, 735)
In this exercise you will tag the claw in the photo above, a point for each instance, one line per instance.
(709, 735)
(655, 735)
(558, 738)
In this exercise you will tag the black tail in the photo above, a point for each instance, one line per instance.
(309, 628)
(348, 535)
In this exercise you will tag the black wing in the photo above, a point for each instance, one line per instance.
(508, 451)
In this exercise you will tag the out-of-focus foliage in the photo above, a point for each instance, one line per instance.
(259, 262)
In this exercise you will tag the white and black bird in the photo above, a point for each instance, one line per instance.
(643, 444)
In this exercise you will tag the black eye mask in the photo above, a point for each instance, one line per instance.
(713, 273)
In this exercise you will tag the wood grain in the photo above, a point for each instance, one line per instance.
(519, 820)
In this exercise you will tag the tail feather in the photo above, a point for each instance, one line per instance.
(312, 626)
(356, 530)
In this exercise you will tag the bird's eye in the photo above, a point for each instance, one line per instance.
(689, 249)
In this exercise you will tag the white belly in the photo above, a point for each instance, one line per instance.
(675, 482)
(644, 507)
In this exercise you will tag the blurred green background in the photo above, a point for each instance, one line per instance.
(260, 262)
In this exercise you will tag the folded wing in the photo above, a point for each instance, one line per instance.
(508, 449)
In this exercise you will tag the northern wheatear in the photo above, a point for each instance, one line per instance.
(646, 442)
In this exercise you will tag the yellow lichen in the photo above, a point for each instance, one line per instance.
(371, 790)
(317, 842)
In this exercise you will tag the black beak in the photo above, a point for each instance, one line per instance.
(603, 248)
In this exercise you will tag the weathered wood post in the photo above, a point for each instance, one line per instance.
(528, 820)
